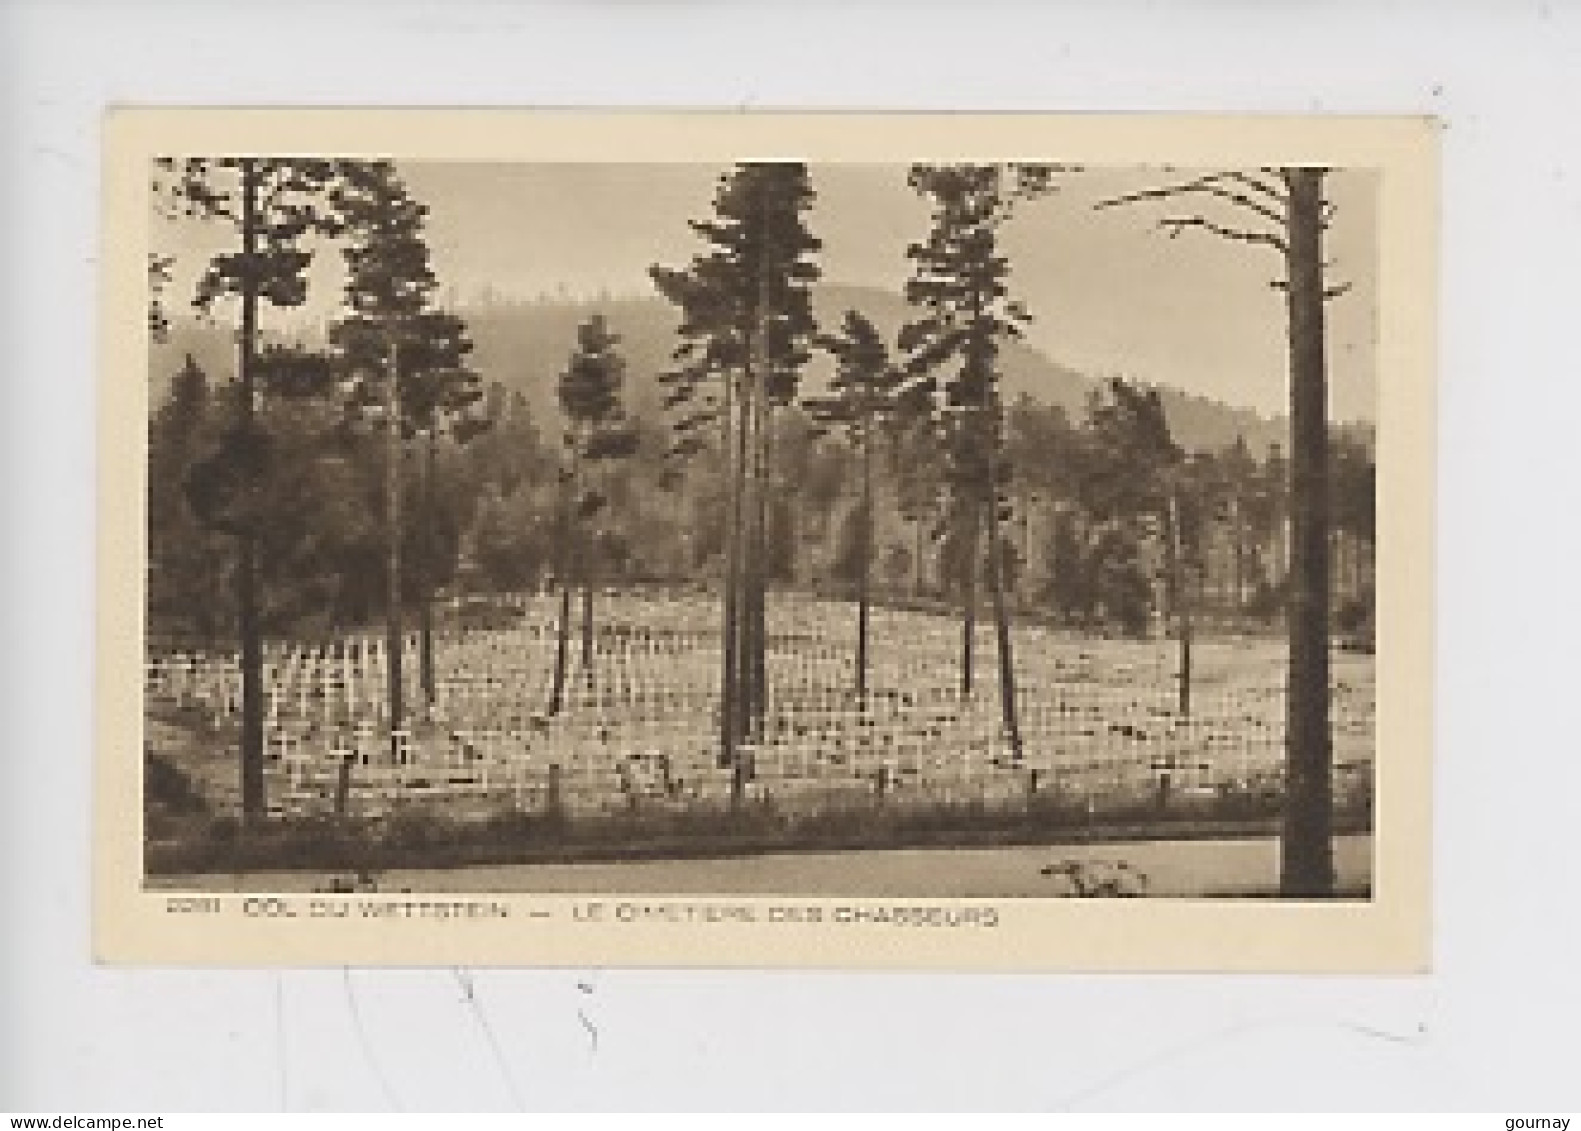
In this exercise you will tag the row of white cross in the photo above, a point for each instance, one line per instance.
(1096, 713)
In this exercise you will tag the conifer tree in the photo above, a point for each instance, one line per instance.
(1240, 474)
(746, 324)
(864, 397)
(959, 285)
(590, 397)
(273, 206)
(1140, 472)
(439, 394)
(394, 345)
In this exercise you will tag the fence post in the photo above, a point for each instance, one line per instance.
(343, 783)
(553, 806)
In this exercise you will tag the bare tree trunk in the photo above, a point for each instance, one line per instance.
(1341, 567)
(1179, 602)
(969, 601)
(426, 609)
(248, 628)
(864, 577)
(741, 615)
(589, 561)
(565, 554)
(562, 648)
(1008, 707)
(254, 802)
(755, 672)
(587, 633)
(1238, 534)
(729, 684)
(392, 510)
(1306, 866)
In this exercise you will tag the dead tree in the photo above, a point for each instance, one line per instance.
(1284, 209)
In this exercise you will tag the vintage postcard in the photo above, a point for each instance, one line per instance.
(766, 539)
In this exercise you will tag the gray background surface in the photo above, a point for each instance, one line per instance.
(1493, 1028)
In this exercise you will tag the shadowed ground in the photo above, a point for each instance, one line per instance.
(1171, 868)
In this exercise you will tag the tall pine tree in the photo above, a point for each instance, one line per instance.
(865, 396)
(439, 394)
(747, 322)
(959, 285)
(273, 206)
(590, 397)
(390, 337)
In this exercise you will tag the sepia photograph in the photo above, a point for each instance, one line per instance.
(912, 534)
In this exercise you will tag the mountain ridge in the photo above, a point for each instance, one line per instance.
(523, 344)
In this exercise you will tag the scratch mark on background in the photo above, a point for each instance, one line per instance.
(282, 1060)
(469, 992)
(1195, 1044)
(390, 1098)
(1417, 1038)
(586, 988)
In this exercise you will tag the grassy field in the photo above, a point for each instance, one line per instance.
(630, 765)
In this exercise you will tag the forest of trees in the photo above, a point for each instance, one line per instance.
(353, 482)
(1084, 546)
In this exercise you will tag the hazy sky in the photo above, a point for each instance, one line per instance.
(1111, 294)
